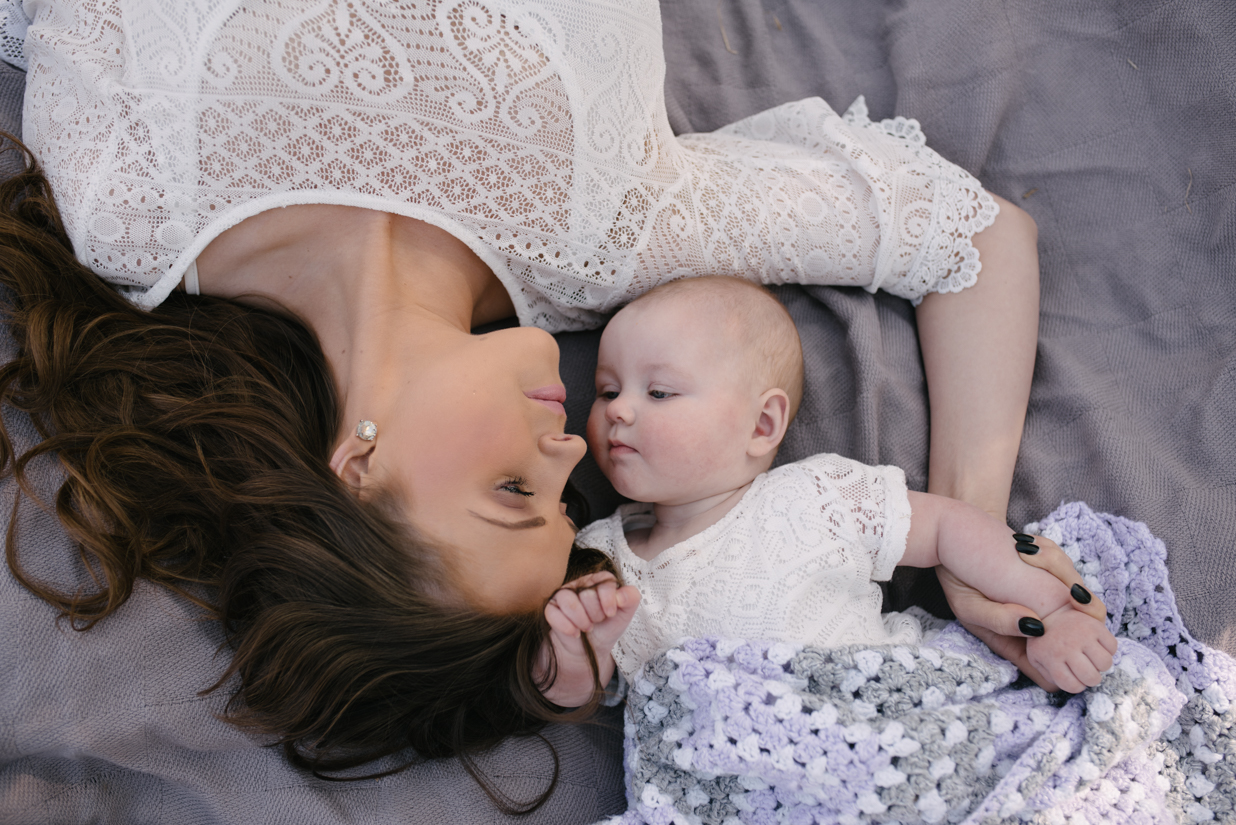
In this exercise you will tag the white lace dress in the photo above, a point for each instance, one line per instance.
(534, 131)
(795, 561)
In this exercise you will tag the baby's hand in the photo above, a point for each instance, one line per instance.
(592, 604)
(1075, 650)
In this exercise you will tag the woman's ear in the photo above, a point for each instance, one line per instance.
(770, 426)
(351, 462)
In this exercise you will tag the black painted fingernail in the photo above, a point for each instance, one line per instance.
(1027, 549)
(1080, 593)
(1026, 537)
(1031, 627)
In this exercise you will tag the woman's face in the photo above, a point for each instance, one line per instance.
(480, 451)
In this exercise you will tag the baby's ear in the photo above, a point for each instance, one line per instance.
(774, 417)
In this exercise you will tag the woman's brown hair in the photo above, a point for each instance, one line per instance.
(194, 440)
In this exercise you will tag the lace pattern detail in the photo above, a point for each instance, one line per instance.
(946, 260)
(795, 561)
(534, 131)
(13, 25)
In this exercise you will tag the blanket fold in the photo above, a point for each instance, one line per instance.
(737, 731)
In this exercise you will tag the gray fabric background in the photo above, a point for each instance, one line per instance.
(1100, 109)
(1120, 117)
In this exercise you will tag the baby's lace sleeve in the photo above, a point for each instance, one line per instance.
(874, 502)
(799, 194)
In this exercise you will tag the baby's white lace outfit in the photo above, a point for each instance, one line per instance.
(795, 561)
(533, 131)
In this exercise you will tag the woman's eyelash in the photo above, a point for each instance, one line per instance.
(515, 485)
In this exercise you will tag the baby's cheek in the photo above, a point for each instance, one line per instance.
(690, 453)
(595, 433)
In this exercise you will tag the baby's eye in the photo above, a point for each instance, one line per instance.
(515, 485)
(659, 394)
(608, 395)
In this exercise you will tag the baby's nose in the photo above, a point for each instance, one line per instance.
(619, 410)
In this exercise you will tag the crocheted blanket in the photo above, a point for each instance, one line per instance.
(722, 731)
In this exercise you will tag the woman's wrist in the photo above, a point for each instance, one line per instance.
(990, 494)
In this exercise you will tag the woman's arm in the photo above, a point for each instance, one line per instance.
(978, 350)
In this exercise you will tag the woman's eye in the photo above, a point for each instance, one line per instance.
(515, 485)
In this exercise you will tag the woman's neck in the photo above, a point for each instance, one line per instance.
(369, 284)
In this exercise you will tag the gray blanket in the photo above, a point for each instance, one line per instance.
(1111, 122)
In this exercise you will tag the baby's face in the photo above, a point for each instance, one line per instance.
(675, 407)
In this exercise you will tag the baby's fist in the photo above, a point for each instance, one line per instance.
(592, 604)
(1074, 651)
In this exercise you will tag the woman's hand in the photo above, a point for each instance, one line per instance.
(1002, 627)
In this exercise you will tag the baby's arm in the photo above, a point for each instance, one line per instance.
(595, 605)
(979, 549)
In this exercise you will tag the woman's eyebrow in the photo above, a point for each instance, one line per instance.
(526, 524)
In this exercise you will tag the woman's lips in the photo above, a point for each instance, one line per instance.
(551, 396)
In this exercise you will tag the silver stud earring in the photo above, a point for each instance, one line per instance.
(366, 430)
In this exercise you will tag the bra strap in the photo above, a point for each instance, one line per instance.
(191, 285)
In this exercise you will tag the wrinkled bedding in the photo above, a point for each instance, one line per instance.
(1110, 122)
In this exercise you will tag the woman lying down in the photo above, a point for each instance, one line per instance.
(767, 685)
(245, 327)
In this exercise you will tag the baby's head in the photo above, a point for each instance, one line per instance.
(696, 383)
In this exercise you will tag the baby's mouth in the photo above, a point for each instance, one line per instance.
(618, 448)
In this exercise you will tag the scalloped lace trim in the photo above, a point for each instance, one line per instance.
(947, 261)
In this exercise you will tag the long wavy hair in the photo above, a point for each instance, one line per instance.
(194, 440)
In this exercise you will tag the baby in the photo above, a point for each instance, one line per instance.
(696, 383)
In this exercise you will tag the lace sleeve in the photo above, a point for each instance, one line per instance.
(799, 194)
(876, 503)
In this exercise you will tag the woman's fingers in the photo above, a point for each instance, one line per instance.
(1007, 619)
(1013, 649)
(973, 608)
(1054, 560)
(1002, 627)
